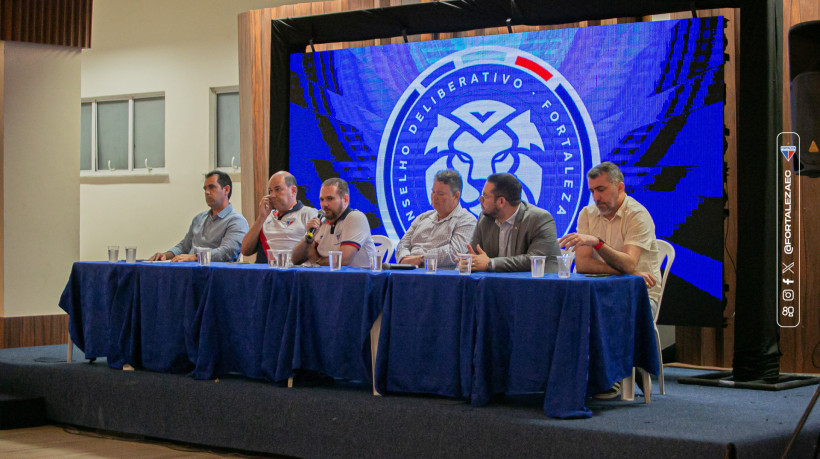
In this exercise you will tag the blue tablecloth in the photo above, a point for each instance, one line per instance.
(567, 337)
(242, 321)
(227, 318)
(329, 321)
(145, 315)
(427, 334)
(475, 336)
(466, 337)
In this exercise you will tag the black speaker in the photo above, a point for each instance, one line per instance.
(804, 62)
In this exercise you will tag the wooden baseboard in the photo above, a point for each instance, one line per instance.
(28, 331)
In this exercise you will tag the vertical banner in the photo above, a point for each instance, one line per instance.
(788, 291)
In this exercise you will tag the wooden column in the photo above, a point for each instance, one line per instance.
(254, 105)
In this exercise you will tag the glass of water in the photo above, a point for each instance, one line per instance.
(113, 253)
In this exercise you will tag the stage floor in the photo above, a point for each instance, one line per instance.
(345, 420)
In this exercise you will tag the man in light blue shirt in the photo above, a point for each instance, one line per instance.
(221, 228)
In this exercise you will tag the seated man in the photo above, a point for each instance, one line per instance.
(441, 232)
(345, 230)
(617, 234)
(509, 231)
(282, 219)
(220, 228)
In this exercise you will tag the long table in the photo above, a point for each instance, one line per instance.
(467, 337)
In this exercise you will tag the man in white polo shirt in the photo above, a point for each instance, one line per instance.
(616, 235)
(345, 230)
(282, 219)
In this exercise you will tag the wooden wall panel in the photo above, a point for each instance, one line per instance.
(48, 22)
(2, 195)
(800, 345)
(723, 348)
(34, 330)
(708, 346)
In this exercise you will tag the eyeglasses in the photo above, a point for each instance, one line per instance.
(485, 197)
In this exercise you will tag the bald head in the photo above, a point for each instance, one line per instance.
(282, 190)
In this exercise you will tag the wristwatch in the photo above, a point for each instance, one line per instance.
(599, 245)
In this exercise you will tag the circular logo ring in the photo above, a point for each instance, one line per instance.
(480, 111)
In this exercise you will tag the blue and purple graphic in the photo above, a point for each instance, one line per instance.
(545, 106)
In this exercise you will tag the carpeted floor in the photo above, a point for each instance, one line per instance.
(345, 420)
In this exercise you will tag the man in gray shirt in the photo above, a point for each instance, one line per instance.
(221, 228)
(442, 232)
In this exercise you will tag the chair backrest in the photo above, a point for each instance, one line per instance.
(668, 252)
(384, 246)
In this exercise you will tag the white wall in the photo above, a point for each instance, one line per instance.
(181, 47)
(41, 158)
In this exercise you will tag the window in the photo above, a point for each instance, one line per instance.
(124, 133)
(225, 128)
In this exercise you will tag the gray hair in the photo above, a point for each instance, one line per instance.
(290, 180)
(450, 178)
(611, 170)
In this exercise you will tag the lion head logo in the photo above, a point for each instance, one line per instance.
(481, 111)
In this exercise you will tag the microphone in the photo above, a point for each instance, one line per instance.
(310, 233)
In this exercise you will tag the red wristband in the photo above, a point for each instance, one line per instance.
(599, 245)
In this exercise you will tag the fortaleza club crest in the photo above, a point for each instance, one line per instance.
(481, 111)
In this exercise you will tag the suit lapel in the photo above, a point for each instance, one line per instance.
(517, 226)
(493, 248)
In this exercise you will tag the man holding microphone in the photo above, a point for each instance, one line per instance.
(344, 229)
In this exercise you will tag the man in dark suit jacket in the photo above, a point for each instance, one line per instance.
(509, 231)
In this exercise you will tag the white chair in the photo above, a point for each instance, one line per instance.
(384, 246)
(668, 252)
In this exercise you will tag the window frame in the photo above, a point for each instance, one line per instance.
(234, 171)
(135, 171)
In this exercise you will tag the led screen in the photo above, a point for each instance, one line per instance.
(545, 106)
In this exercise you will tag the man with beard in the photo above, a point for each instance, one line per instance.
(345, 230)
(282, 220)
(616, 235)
(510, 231)
(220, 228)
